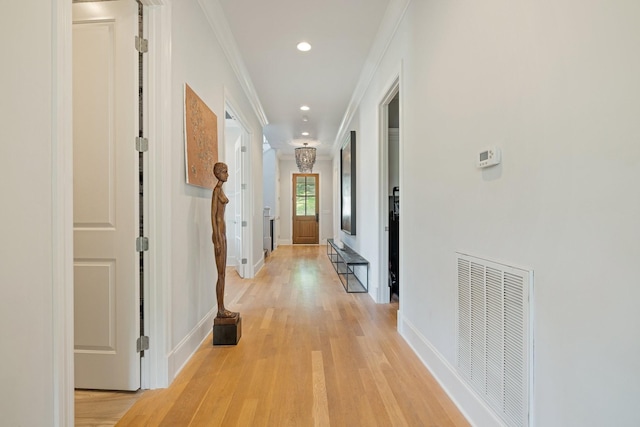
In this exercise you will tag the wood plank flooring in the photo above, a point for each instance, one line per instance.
(310, 355)
(96, 408)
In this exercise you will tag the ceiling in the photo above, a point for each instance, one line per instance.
(341, 33)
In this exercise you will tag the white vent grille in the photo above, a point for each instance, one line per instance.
(493, 336)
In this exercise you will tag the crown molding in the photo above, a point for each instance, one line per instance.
(215, 15)
(387, 30)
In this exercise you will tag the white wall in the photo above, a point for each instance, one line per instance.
(30, 218)
(270, 161)
(287, 168)
(198, 60)
(270, 184)
(555, 85)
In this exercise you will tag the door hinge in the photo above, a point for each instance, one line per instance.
(243, 149)
(142, 144)
(142, 343)
(243, 186)
(244, 223)
(142, 45)
(244, 261)
(142, 244)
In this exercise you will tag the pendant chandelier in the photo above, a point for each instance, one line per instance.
(305, 158)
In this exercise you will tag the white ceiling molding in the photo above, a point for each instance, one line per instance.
(215, 16)
(388, 27)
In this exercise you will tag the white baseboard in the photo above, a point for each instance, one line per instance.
(285, 242)
(257, 266)
(467, 401)
(181, 354)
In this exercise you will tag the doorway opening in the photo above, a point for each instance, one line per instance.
(390, 119)
(393, 185)
(236, 139)
(108, 196)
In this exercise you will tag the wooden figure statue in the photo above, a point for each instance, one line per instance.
(218, 203)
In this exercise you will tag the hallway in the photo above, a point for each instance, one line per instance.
(310, 354)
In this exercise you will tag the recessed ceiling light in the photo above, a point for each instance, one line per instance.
(305, 118)
(305, 133)
(304, 47)
(305, 108)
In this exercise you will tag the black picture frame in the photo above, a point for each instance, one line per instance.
(348, 184)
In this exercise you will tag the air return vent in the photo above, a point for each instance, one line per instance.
(493, 335)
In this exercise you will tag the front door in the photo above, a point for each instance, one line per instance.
(105, 169)
(305, 208)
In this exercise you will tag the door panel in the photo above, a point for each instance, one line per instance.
(106, 283)
(305, 208)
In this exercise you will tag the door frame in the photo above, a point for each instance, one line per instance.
(247, 195)
(392, 89)
(154, 366)
(157, 291)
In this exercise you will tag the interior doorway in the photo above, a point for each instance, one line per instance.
(236, 139)
(107, 193)
(393, 185)
(390, 120)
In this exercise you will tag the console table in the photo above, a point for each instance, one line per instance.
(345, 261)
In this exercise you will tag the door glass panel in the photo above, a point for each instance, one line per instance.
(300, 206)
(300, 193)
(305, 196)
(311, 206)
(311, 186)
(300, 185)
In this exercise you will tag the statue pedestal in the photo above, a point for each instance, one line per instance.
(227, 330)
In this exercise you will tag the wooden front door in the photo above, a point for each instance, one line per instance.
(305, 208)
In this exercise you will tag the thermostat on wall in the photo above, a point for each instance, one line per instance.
(488, 157)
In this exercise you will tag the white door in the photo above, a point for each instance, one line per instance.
(238, 180)
(106, 264)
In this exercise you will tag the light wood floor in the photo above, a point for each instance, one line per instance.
(310, 355)
(95, 408)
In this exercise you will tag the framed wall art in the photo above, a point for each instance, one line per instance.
(201, 140)
(348, 184)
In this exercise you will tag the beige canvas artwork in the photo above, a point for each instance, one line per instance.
(201, 136)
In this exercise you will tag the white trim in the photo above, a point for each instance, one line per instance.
(248, 202)
(472, 407)
(388, 27)
(183, 352)
(285, 242)
(401, 181)
(155, 364)
(62, 216)
(215, 15)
